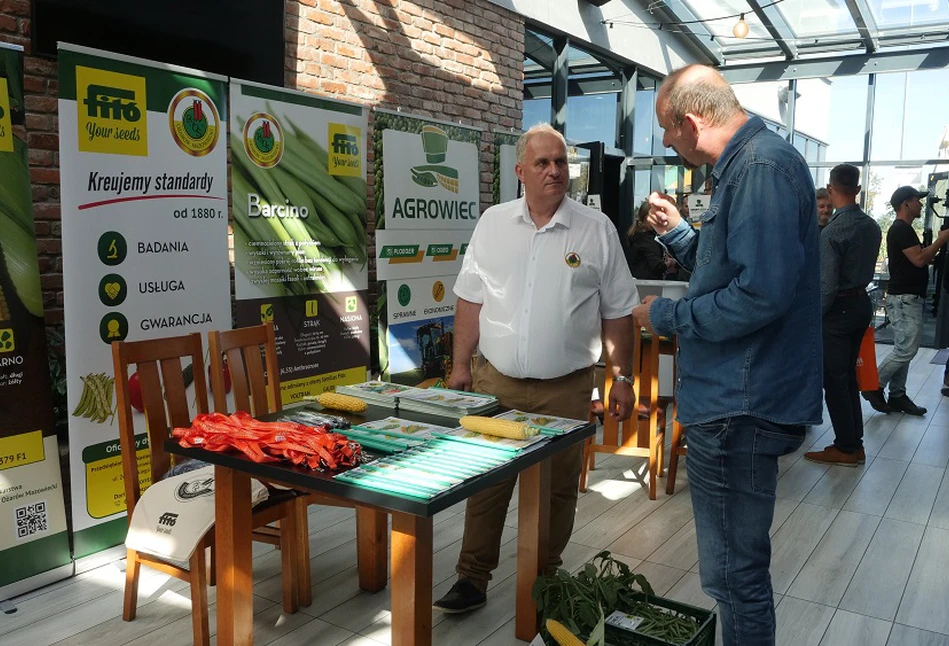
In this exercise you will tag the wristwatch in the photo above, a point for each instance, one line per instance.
(624, 379)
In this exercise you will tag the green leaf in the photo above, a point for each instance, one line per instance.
(598, 634)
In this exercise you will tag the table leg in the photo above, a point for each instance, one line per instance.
(411, 580)
(533, 534)
(235, 605)
(372, 548)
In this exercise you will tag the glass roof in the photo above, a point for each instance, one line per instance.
(792, 28)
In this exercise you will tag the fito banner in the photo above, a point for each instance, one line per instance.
(143, 152)
(300, 245)
(33, 535)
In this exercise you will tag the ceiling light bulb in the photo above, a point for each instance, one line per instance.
(741, 27)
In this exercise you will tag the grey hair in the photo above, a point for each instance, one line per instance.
(822, 194)
(710, 98)
(540, 128)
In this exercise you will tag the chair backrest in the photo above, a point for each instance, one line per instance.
(164, 396)
(254, 391)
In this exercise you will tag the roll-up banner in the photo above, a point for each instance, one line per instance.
(33, 535)
(143, 155)
(505, 184)
(300, 245)
(428, 201)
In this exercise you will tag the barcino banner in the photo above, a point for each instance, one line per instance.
(33, 533)
(143, 150)
(300, 244)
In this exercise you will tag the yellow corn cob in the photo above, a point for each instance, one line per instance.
(561, 634)
(341, 402)
(499, 427)
(449, 183)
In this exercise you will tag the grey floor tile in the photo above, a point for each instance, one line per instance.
(934, 447)
(903, 442)
(825, 575)
(660, 577)
(689, 590)
(878, 584)
(783, 508)
(916, 494)
(680, 551)
(873, 493)
(850, 629)
(835, 487)
(907, 636)
(792, 545)
(797, 482)
(656, 528)
(940, 515)
(924, 602)
(801, 622)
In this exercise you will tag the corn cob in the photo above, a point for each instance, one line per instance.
(341, 402)
(498, 427)
(561, 634)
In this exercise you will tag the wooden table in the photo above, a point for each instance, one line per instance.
(411, 557)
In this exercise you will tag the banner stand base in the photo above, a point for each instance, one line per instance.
(36, 582)
(93, 561)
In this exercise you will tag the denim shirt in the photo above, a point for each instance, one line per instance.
(749, 327)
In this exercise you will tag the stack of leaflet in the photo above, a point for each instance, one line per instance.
(424, 471)
(433, 401)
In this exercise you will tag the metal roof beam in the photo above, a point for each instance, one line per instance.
(863, 19)
(880, 62)
(777, 26)
(666, 15)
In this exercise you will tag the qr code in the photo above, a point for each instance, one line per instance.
(31, 519)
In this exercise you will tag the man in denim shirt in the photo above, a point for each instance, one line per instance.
(749, 334)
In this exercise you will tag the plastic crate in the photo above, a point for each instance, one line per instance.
(704, 636)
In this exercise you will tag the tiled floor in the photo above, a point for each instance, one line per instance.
(860, 556)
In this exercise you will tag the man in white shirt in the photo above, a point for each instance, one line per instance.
(544, 279)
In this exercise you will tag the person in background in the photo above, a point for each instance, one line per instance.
(647, 258)
(908, 262)
(849, 245)
(542, 282)
(825, 208)
(748, 330)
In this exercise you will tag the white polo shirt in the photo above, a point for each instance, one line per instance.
(545, 291)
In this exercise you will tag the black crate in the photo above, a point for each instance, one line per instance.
(704, 636)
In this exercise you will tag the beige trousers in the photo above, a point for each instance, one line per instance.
(567, 396)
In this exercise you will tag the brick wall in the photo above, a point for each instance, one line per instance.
(459, 60)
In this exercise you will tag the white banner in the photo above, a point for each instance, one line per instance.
(143, 152)
(414, 254)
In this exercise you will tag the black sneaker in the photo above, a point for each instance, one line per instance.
(945, 391)
(463, 597)
(904, 404)
(877, 400)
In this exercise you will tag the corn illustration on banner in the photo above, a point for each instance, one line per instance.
(428, 201)
(33, 536)
(300, 245)
(143, 152)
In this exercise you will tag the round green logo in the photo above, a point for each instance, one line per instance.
(405, 294)
(112, 290)
(113, 327)
(112, 248)
(264, 141)
(194, 121)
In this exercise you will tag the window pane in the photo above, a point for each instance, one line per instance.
(643, 123)
(592, 118)
(833, 112)
(908, 13)
(536, 111)
(809, 18)
(925, 129)
(888, 104)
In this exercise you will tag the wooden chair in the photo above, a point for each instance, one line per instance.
(644, 434)
(159, 366)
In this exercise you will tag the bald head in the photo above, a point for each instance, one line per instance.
(698, 90)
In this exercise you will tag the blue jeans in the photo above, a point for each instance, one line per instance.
(733, 471)
(905, 312)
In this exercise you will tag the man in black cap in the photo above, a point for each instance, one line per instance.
(905, 294)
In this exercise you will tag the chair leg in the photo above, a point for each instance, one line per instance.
(302, 549)
(212, 567)
(674, 457)
(199, 598)
(132, 570)
(288, 560)
(587, 459)
(653, 463)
